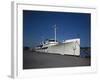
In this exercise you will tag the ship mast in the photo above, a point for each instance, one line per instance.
(55, 32)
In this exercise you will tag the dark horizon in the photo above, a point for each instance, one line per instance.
(38, 26)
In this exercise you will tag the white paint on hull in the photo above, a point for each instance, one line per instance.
(69, 47)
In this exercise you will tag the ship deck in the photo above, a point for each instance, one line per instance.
(36, 60)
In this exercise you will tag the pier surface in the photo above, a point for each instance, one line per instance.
(36, 60)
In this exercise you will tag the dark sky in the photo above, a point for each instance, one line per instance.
(38, 26)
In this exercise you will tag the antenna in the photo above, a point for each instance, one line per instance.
(55, 32)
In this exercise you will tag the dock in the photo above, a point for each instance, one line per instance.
(36, 60)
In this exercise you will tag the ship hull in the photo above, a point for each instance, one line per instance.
(69, 48)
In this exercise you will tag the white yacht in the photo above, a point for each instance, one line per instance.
(69, 47)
